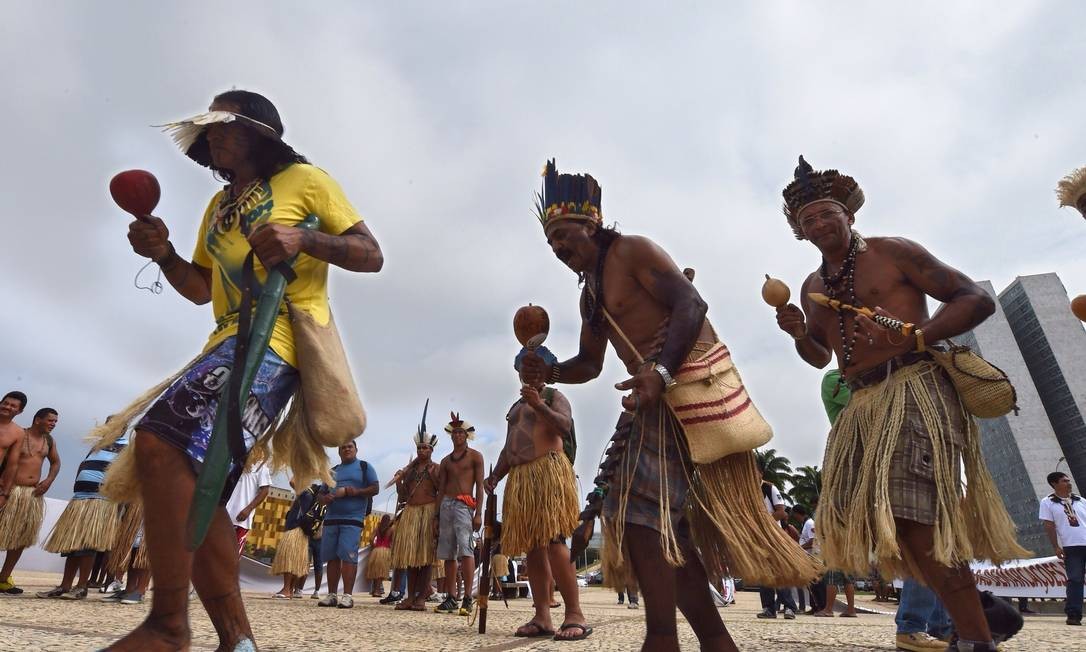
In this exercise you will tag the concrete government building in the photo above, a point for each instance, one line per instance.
(1035, 339)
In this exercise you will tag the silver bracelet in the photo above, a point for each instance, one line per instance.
(669, 382)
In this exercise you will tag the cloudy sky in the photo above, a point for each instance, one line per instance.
(436, 118)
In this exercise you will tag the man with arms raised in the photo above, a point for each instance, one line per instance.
(460, 485)
(891, 489)
(540, 505)
(22, 490)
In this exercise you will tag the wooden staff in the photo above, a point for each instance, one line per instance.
(490, 522)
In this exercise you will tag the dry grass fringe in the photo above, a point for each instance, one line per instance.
(85, 524)
(499, 565)
(413, 545)
(127, 532)
(438, 572)
(291, 554)
(539, 504)
(736, 535)
(378, 564)
(728, 522)
(855, 519)
(20, 519)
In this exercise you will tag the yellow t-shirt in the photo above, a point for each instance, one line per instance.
(287, 198)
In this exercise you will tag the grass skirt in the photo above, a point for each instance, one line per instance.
(85, 524)
(291, 554)
(20, 519)
(130, 528)
(413, 544)
(499, 565)
(438, 572)
(728, 522)
(539, 504)
(379, 563)
(855, 518)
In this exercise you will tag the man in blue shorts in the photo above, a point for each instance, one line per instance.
(348, 504)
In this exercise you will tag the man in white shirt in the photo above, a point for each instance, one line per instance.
(774, 504)
(251, 490)
(809, 542)
(1064, 516)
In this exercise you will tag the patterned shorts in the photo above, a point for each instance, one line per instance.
(911, 481)
(184, 415)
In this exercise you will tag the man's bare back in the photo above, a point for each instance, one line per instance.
(11, 435)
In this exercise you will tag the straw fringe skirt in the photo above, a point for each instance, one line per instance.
(499, 565)
(291, 554)
(724, 511)
(540, 504)
(856, 512)
(438, 572)
(129, 530)
(413, 544)
(379, 563)
(85, 524)
(20, 519)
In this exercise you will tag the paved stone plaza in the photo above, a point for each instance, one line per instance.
(29, 623)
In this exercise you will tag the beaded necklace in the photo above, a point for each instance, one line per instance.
(847, 273)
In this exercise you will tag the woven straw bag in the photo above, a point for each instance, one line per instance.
(333, 410)
(711, 403)
(985, 391)
(716, 413)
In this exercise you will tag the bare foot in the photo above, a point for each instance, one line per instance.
(151, 637)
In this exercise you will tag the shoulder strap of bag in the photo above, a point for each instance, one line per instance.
(614, 325)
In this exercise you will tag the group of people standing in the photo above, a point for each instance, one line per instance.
(678, 489)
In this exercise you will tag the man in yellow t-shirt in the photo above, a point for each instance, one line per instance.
(271, 189)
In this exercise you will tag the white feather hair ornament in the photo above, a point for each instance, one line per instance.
(185, 132)
(456, 423)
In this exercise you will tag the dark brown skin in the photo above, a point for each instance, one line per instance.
(650, 299)
(418, 492)
(644, 291)
(894, 276)
(215, 573)
(355, 249)
(526, 445)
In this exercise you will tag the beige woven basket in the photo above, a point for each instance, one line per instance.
(985, 391)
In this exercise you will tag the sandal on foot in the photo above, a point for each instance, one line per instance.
(555, 605)
(537, 632)
(586, 631)
(847, 615)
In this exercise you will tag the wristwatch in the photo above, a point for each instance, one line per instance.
(669, 382)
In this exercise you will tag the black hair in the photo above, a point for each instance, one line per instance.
(801, 509)
(44, 412)
(270, 155)
(1055, 477)
(18, 396)
(604, 237)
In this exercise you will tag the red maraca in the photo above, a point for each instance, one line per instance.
(136, 191)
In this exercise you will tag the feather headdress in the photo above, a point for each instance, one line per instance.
(423, 438)
(568, 197)
(456, 423)
(810, 186)
(190, 134)
(1071, 190)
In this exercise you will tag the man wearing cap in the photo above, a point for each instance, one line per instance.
(249, 226)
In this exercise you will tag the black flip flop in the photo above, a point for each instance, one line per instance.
(539, 631)
(586, 631)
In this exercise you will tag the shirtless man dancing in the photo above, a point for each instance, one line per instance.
(22, 489)
(460, 485)
(892, 469)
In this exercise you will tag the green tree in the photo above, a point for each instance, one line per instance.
(806, 485)
(777, 469)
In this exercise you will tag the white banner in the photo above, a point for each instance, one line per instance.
(1023, 578)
